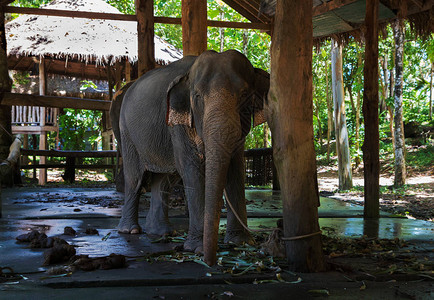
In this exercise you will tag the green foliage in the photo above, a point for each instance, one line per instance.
(79, 128)
(418, 61)
(422, 158)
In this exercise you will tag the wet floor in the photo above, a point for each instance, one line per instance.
(50, 210)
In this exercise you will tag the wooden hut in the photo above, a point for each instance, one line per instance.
(76, 49)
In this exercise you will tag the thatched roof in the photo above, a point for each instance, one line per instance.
(100, 42)
(334, 18)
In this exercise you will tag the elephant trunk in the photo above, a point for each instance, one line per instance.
(215, 175)
(220, 140)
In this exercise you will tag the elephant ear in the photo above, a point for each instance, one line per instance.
(178, 103)
(262, 86)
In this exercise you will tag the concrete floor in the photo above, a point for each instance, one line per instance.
(51, 209)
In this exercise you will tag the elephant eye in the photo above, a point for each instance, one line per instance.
(244, 95)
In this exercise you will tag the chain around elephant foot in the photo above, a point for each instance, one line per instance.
(129, 226)
(239, 237)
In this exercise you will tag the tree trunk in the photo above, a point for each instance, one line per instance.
(329, 112)
(430, 90)
(400, 170)
(290, 119)
(371, 144)
(145, 35)
(341, 132)
(266, 135)
(194, 27)
(222, 34)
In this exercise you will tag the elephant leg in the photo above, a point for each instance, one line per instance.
(129, 222)
(157, 220)
(235, 232)
(195, 195)
(191, 168)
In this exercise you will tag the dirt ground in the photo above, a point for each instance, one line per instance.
(414, 200)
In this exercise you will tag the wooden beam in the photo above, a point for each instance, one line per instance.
(194, 29)
(32, 129)
(54, 101)
(329, 6)
(132, 18)
(43, 135)
(241, 25)
(145, 35)
(58, 153)
(371, 146)
(290, 118)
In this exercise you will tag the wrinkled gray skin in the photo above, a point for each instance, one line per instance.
(115, 111)
(191, 116)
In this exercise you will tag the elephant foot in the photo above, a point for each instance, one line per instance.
(158, 228)
(239, 237)
(129, 227)
(194, 245)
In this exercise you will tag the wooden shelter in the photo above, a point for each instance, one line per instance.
(103, 50)
(293, 25)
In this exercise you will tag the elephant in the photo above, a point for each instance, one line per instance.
(191, 117)
(115, 111)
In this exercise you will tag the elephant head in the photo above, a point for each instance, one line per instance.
(221, 96)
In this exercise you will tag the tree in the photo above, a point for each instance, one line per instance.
(400, 170)
(341, 131)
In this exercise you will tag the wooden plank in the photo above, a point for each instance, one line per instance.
(248, 11)
(371, 145)
(59, 153)
(32, 129)
(145, 35)
(329, 6)
(62, 166)
(132, 18)
(54, 101)
(290, 116)
(241, 25)
(69, 13)
(194, 29)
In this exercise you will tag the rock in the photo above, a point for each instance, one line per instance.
(69, 231)
(58, 254)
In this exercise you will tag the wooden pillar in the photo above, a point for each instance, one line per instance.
(290, 118)
(118, 76)
(371, 145)
(5, 86)
(43, 136)
(194, 28)
(145, 35)
(341, 132)
(127, 71)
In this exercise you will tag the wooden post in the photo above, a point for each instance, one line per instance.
(145, 35)
(127, 70)
(194, 28)
(43, 136)
(371, 145)
(5, 86)
(341, 132)
(290, 118)
(69, 175)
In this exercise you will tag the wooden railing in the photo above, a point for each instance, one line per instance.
(33, 115)
(70, 166)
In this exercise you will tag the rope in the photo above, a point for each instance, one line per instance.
(10, 134)
(299, 237)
